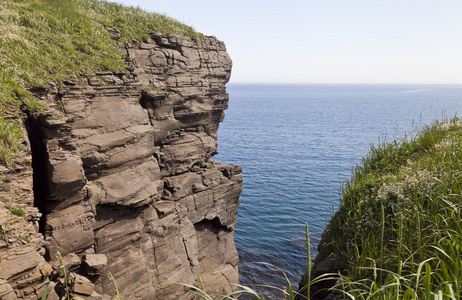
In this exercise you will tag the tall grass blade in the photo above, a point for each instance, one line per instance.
(309, 261)
(428, 280)
(45, 291)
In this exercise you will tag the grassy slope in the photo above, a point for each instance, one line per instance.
(398, 232)
(45, 40)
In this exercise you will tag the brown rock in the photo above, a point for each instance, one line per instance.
(96, 296)
(126, 174)
(94, 264)
(22, 268)
(51, 293)
(114, 33)
(6, 291)
(71, 262)
(66, 177)
(81, 285)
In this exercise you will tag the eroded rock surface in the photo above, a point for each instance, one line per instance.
(123, 172)
(24, 272)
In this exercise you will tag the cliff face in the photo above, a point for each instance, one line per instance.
(122, 168)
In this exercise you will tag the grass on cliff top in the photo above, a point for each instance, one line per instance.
(398, 232)
(45, 40)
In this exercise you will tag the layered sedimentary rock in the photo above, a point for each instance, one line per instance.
(24, 272)
(122, 169)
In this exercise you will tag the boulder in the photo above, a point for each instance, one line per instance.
(94, 264)
(81, 285)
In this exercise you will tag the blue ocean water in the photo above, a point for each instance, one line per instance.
(297, 144)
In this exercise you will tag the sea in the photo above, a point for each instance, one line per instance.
(297, 144)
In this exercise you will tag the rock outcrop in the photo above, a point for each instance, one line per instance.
(24, 272)
(124, 179)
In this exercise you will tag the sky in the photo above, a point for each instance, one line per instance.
(329, 41)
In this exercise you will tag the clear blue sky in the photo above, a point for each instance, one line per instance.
(333, 41)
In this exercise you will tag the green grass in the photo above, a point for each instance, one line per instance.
(10, 140)
(398, 232)
(16, 210)
(51, 40)
(23, 238)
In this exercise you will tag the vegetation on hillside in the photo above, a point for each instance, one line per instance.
(398, 232)
(52, 40)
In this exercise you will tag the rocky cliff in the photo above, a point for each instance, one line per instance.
(122, 176)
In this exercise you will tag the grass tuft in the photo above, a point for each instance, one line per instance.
(10, 140)
(17, 211)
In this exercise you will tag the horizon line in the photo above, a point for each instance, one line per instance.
(343, 83)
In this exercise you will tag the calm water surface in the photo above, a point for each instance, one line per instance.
(297, 144)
